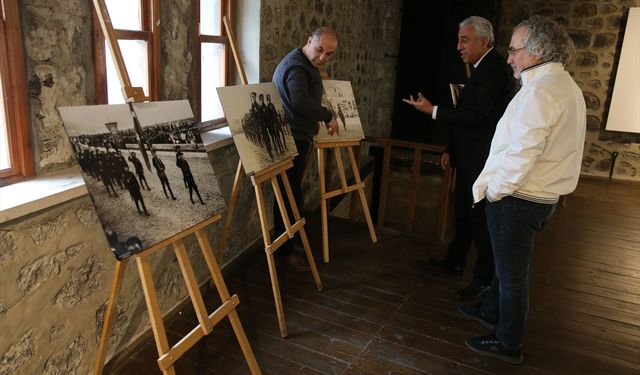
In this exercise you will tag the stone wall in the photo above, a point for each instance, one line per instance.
(57, 42)
(368, 33)
(177, 37)
(55, 275)
(595, 27)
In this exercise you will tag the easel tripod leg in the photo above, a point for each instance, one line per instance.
(273, 274)
(107, 323)
(223, 292)
(270, 259)
(153, 307)
(363, 196)
(312, 262)
(323, 207)
(303, 233)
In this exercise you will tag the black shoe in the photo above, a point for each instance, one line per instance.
(473, 313)
(447, 264)
(472, 291)
(297, 263)
(490, 345)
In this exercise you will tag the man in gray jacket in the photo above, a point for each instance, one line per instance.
(300, 86)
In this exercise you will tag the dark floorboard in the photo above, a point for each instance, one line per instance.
(383, 310)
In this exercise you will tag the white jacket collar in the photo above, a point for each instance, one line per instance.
(533, 72)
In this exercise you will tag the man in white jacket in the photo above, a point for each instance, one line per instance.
(535, 157)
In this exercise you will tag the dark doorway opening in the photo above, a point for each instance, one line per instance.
(428, 61)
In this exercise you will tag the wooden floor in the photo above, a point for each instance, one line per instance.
(385, 311)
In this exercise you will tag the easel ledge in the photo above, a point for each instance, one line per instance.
(175, 238)
(332, 144)
(274, 170)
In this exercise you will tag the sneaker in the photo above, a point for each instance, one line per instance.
(489, 345)
(472, 291)
(473, 313)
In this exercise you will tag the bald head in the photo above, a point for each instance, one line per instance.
(321, 45)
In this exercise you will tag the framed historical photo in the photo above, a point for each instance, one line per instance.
(338, 98)
(145, 169)
(256, 119)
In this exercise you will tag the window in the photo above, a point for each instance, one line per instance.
(16, 159)
(134, 24)
(212, 53)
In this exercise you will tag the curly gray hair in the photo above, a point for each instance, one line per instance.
(482, 27)
(546, 39)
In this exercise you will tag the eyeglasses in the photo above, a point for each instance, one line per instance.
(512, 51)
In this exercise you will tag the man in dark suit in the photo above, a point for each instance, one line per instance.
(472, 124)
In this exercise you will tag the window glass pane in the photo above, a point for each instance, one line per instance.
(212, 69)
(210, 18)
(4, 141)
(125, 14)
(134, 53)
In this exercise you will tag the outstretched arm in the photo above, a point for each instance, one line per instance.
(420, 103)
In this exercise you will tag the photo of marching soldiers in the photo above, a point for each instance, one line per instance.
(256, 119)
(338, 99)
(145, 168)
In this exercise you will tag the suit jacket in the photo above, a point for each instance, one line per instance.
(483, 100)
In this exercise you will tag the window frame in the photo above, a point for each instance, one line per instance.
(223, 39)
(150, 33)
(14, 81)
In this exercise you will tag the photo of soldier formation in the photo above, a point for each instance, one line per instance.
(339, 100)
(148, 182)
(256, 119)
(264, 126)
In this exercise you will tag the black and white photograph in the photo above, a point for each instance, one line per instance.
(256, 119)
(338, 99)
(145, 168)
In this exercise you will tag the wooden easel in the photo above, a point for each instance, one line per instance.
(344, 188)
(290, 230)
(167, 356)
(258, 179)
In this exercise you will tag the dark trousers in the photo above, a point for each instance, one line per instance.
(294, 174)
(471, 226)
(142, 179)
(165, 185)
(191, 183)
(513, 224)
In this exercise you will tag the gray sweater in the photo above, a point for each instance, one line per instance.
(300, 87)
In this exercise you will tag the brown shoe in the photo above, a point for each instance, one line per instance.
(297, 263)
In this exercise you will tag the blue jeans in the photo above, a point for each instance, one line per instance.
(513, 224)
